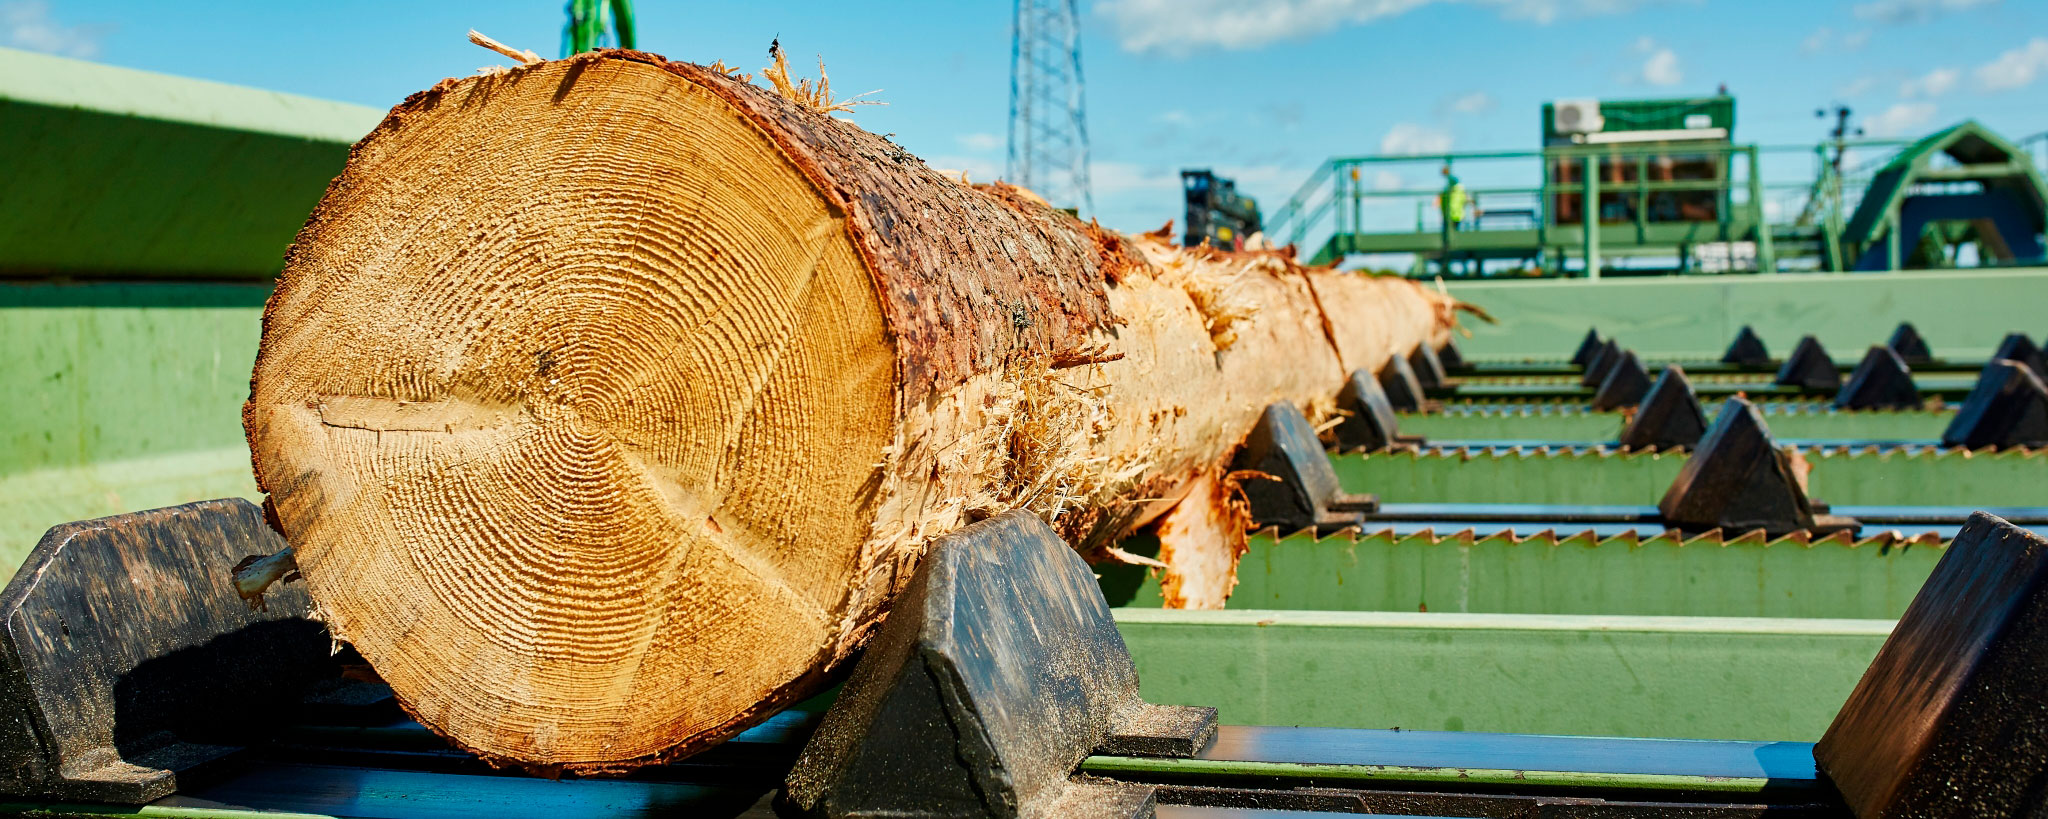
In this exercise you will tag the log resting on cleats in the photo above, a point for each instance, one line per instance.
(607, 401)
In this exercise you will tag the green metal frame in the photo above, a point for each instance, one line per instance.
(1738, 220)
(1678, 677)
(1577, 574)
(1577, 423)
(1335, 198)
(1920, 478)
(1988, 158)
(1962, 313)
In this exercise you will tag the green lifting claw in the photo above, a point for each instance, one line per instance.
(587, 21)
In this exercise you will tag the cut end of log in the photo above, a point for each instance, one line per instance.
(570, 357)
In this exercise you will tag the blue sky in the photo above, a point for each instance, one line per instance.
(1259, 89)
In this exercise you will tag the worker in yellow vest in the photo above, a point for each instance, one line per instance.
(1453, 200)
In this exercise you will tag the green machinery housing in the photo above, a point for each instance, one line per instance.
(1672, 191)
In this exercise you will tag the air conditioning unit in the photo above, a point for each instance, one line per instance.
(1576, 117)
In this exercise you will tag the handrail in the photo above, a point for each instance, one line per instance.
(1336, 200)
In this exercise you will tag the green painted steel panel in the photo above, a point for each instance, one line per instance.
(121, 396)
(1921, 478)
(1681, 677)
(1811, 422)
(1579, 574)
(1962, 313)
(117, 172)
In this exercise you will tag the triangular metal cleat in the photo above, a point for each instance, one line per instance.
(2017, 347)
(1670, 415)
(1369, 420)
(1303, 492)
(1429, 370)
(1907, 342)
(1626, 384)
(1588, 347)
(1403, 391)
(1739, 481)
(1809, 368)
(1452, 359)
(1942, 724)
(1747, 349)
(998, 671)
(1602, 364)
(1882, 381)
(2007, 408)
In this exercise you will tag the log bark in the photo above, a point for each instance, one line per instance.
(606, 401)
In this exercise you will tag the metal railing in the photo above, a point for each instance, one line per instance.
(1369, 195)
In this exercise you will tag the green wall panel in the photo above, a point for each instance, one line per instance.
(1922, 478)
(1683, 677)
(1807, 422)
(123, 173)
(120, 396)
(1962, 313)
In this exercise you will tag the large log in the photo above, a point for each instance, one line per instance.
(606, 401)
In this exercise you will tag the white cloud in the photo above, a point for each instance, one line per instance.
(1662, 68)
(1902, 118)
(980, 142)
(1858, 87)
(1913, 11)
(1181, 27)
(1934, 84)
(1415, 138)
(2017, 68)
(1824, 38)
(1818, 41)
(27, 24)
(1477, 102)
(1386, 180)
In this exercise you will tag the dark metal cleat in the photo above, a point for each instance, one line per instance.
(1907, 342)
(2007, 408)
(1303, 492)
(1398, 381)
(1369, 420)
(1809, 368)
(998, 671)
(1429, 370)
(1602, 364)
(1948, 720)
(1747, 349)
(1588, 347)
(1452, 359)
(127, 659)
(1670, 415)
(1881, 381)
(1739, 481)
(1626, 384)
(2017, 347)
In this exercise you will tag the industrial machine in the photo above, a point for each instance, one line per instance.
(1216, 213)
(1673, 192)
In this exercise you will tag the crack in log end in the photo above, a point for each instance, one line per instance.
(395, 415)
